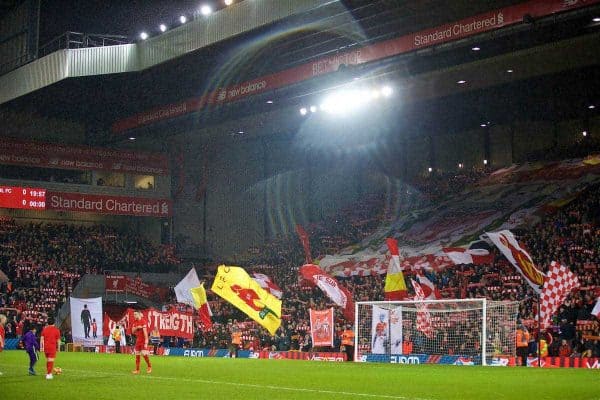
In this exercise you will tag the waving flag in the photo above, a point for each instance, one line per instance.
(478, 253)
(337, 293)
(423, 316)
(518, 257)
(395, 287)
(430, 292)
(182, 289)
(266, 283)
(596, 309)
(559, 282)
(201, 304)
(305, 243)
(237, 287)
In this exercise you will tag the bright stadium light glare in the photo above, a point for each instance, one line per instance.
(430, 169)
(461, 82)
(485, 162)
(228, 2)
(162, 27)
(206, 10)
(183, 19)
(386, 91)
(596, 19)
(313, 109)
(584, 133)
(143, 36)
(131, 138)
(303, 111)
(591, 106)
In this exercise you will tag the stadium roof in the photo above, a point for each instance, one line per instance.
(550, 55)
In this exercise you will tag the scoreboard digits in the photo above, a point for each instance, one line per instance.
(22, 197)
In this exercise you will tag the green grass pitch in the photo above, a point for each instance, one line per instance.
(108, 376)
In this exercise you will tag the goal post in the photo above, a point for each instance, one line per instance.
(457, 331)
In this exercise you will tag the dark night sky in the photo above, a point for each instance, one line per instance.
(126, 17)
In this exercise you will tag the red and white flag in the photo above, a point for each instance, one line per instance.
(430, 292)
(336, 292)
(559, 282)
(423, 317)
(266, 283)
(518, 257)
(460, 255)
(321, 327)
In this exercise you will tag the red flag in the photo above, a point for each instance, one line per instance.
(423, 317)
(336, 292)
(305, 243)
(558, 283)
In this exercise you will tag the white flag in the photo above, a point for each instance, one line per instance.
(596, 310)
(182, 290)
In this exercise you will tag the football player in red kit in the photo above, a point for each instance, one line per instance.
(50, 345)
(139, 328)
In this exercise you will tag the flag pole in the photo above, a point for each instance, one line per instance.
(539, 339)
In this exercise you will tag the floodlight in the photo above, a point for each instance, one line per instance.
(206, 10)
(162, 27)
(303, 111)
(183, 19)
(143, 36)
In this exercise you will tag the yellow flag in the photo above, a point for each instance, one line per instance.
(199, 296)
(237, 287)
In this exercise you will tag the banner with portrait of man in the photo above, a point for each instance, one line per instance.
(321, 327)
(86, 321)
(380, 330)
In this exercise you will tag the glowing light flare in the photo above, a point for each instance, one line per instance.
(303, 111)
(183, 19)
(206, 10)
(143, 36)
(162, 27)
(228, 2)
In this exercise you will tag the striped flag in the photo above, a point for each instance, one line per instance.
(237, 287)
(559, 282)
(395, 286)
(201, 304)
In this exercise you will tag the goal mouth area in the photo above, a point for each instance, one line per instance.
(449, 331)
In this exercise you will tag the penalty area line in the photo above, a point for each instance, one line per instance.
(250, 385)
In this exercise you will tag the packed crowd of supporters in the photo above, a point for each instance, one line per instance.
(570, 235)
(44, 262)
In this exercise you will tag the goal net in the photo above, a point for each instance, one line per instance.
(460, 331)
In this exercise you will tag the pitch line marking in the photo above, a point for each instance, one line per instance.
(253, 385)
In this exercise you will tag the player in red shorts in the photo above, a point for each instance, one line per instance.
(2, 332)
(140, 329)
(50, 345)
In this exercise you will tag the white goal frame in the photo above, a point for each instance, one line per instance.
(493, 316)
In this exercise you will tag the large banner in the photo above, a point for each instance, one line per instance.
(86, 321)
(124, 283)
(48, 155)
(396, 334)
(322, 327)
(105, 204)
(518, 257)
(380, 329)
(171, 323)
